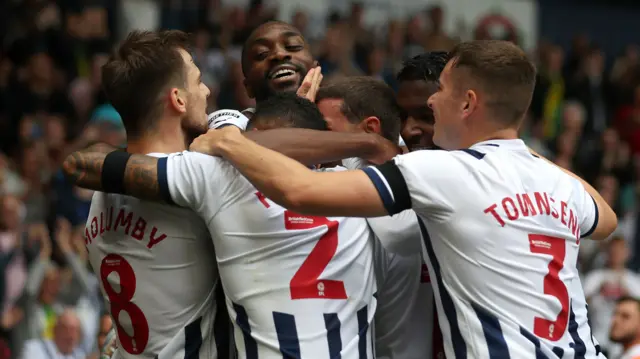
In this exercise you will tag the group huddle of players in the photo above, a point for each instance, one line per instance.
(289, 281)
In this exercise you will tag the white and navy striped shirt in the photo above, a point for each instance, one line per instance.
(502, 231)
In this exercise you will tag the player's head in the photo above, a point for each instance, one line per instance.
(485, 88)
(417, 81)
(625, 325)
(287, 109)
(275, 58)
(151, 77)
(360, 103)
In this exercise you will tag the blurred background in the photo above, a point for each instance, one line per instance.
(585, 116)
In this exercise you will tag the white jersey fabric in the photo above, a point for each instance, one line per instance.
(603, 287)
(406, 317)
(632, 353)
(503, 231)
(158, 276)
(297, 286)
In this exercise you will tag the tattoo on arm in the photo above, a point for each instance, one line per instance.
(84, 169)
(141, 178)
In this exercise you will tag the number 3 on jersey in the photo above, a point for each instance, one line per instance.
(552, 329)
(121, 301)
(305, 283)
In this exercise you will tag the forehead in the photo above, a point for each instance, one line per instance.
(188, 60)
(628, 307)
(272, 33)
(331, 107)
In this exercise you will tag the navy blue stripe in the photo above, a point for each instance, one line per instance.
(536, 342)
(163, 182)
(477, 154)
(242, 320)
(363, 328)
(221, 324)
(577, 345)
(496, 343)
(193, 339)
(287, 335)
(459, 345)
(332, 324)
(595, 221)
(559, 352)
(383, 190)
(596, 346)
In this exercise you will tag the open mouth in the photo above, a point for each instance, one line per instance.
(283, 73)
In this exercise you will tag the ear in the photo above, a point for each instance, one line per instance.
(248, 88)
(470, 103)
(371, 125)
(176, 101)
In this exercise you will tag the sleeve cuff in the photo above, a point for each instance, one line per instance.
(391, 187)
(595, 220)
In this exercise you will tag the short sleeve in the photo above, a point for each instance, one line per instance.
(194, 180)
(588, 211)
(418, 180)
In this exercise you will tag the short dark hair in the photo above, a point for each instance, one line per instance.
(364, 96)
(628, 298)
(287, 109)
(424, 67)
(137, 72)
(502, 71)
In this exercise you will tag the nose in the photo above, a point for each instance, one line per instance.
(208, 91)
(430, 101)
(280, 54)
(411, 128)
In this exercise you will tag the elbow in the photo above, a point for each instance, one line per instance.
(607, 224)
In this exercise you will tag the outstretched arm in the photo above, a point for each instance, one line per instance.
(84, 168)
(292, 185)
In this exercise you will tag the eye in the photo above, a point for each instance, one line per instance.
(294, 47)
(261, 55)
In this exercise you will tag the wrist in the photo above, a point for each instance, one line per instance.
(230, 142)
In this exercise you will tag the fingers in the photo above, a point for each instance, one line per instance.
(315, 84)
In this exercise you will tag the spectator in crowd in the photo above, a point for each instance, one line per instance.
(64, 343)
(625, 327)
(603, 287)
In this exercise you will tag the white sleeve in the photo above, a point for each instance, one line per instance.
(399, 234)
(222, 118)
(587, 209)
(194, 180)
(424, 180)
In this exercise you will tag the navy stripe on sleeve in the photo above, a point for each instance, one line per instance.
(391, 186)
(163, 182)
(595, 221)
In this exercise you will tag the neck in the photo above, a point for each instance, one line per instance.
(164, 139)
(630, 344)
(503, 134)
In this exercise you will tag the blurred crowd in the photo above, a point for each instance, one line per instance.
(585, 116)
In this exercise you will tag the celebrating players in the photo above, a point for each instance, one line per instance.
(504, 225)
(154, 261)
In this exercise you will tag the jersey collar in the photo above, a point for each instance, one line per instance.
(516, 144)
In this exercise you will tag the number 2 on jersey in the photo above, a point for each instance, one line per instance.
(552, 329)
(305, 283)
(121, 301)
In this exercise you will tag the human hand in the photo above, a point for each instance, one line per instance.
(385, 151)
(311, 84)
(213, 142)
(11, 318)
